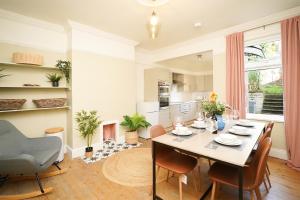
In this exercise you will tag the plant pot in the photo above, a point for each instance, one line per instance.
(88, 152)
(131, 137)
(55, 84)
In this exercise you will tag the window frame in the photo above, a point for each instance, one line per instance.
(261, 66)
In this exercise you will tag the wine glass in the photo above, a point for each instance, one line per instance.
(235, 114)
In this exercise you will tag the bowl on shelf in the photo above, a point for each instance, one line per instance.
(11, 104)
(49, 103)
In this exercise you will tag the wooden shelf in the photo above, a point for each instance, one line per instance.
(34, 109)
(32, 87)
(7, 64)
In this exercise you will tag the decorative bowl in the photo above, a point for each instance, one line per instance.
(49, 103)
(11, 104)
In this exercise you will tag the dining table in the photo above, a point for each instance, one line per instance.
(201, 143)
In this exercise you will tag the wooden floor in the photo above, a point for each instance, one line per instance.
(84, 181)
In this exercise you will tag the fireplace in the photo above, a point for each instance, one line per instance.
(109, 130)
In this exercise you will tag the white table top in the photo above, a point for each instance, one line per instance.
(201, 143)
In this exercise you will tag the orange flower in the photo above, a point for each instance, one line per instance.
(213, 97)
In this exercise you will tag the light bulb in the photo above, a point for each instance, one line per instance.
(154, 19)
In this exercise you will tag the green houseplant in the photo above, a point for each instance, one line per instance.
(132, 124)
(65, 68)
(87, 122)
(54, 79)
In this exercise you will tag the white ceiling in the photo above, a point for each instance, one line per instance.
(191, 63)
(128, 18)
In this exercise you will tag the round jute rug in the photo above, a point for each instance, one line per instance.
(131, 167)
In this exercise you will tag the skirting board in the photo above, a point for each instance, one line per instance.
(78, 152)
(278, 153)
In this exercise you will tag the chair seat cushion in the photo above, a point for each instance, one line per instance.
(177, 162)
(44, 156)
(229, 175)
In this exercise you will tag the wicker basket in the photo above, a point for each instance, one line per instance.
(27, 58)
(131, 137)
(11, 104)
(49, 103)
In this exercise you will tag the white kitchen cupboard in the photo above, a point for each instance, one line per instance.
(165, 118)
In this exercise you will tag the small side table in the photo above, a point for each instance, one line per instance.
(58, 132)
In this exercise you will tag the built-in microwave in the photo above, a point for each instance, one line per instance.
(163, 88)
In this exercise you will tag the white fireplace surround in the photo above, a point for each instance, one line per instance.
(117, 129)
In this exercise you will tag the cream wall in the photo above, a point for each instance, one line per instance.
(102, 83)
(32, 124)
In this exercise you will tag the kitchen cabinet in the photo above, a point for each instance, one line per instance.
(151, 78)
(186, 110)
(165, 118)
(204, 83)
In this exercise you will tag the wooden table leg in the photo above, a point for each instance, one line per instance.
(240, 183)
(153, 170)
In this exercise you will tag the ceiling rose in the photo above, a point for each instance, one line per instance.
(153, 3)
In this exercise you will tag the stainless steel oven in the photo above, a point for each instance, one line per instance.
(163, 94)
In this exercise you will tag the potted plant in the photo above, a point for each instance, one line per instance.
(2, 75)
(214, 109)
(54, 79)
(132, 124)
(65, 68)
(87, 122)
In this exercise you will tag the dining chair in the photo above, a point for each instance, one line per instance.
(172, 160)
(267, 133)
(226, 174)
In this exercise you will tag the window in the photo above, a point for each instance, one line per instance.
(264, 82)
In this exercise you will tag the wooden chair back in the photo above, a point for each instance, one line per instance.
(156, 131)
(259, 162)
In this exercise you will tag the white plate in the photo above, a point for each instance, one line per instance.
(239, 130)
(245, 123)
(197, 126)
(185, 133)
(227, 139)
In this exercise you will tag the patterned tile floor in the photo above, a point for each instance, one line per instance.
(110, 147)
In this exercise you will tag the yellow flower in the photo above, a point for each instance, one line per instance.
(213, 97)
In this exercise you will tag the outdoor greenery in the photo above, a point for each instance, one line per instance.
(272, 89)
(212, 107)
(54, 77)
(65, 68)
(87, 122)
(2, 75)
(254, 81)
(264, 50)
(134, 122)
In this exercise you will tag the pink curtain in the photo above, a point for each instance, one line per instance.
(290, 38)
(235, 73)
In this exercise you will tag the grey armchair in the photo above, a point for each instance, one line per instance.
(24, 156)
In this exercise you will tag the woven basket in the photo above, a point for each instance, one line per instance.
(49, 103)
(131, 137)
(27, 58)
(11, 104)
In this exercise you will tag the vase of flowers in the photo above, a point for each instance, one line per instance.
(214, 109)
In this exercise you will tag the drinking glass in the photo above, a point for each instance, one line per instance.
(235, 114)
